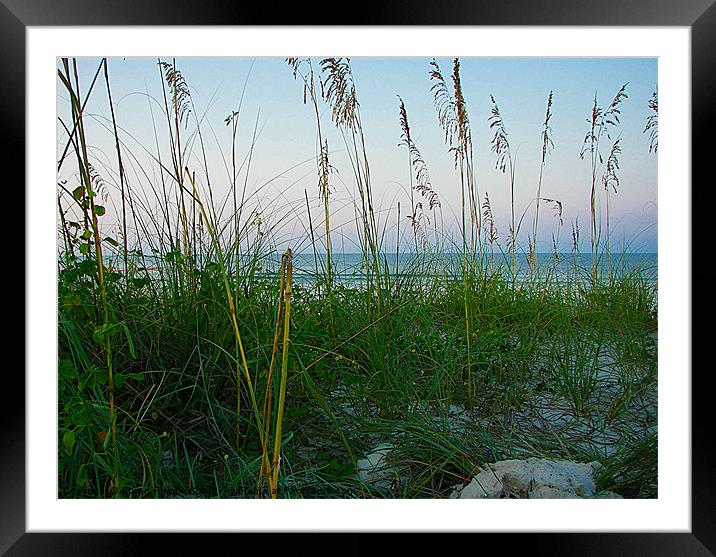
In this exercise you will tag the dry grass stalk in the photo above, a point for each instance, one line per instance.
(652, 123)
(600, 122)
(339, 92)
(490, 228)
(453, 118)
(323, 163)
(547, 146)
(610, 179)
(422, 176)
(180, 108)
(504, 161)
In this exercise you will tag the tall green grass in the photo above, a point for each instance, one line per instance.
(167, 377)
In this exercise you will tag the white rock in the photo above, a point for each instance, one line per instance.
(536, 478)
(483, 486)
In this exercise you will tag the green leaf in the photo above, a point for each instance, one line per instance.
(84, 249)
(68, 440)
(81, 475)
(119, 380)
(104, 331)
(87, 234)
(98, 210)
(107, 438)
(137, 376)
(129, 339)
(101, 461)
(78, 192)
(67, 370)
(111, 241)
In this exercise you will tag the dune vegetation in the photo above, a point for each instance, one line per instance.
(197, 360)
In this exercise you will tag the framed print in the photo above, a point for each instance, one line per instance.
(405, 275)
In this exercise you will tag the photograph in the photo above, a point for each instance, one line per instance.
(432, 272)
(396, 277)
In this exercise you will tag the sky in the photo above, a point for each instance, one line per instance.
(282, 164)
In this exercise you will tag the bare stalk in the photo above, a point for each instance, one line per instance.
(547, 145)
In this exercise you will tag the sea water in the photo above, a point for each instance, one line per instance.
(351, 268)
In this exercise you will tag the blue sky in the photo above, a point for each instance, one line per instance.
(282, 162)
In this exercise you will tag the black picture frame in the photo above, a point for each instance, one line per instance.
(699, 15)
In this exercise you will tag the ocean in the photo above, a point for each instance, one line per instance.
(349, 268)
